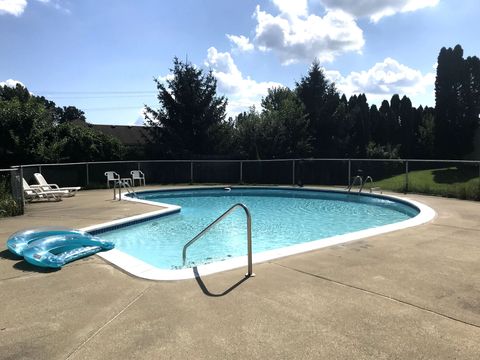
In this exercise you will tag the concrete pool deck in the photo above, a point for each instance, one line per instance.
(413, 293)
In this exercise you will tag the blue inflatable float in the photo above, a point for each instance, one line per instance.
(54, 247)
(19, 241)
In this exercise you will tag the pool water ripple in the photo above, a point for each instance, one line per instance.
(280, 218)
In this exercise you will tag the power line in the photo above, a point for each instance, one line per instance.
(98, 97)
(113, 108)
(139, 92)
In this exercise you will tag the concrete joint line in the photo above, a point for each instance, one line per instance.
(107, 323)
(457, 227)
(370, 292)
(20, 277)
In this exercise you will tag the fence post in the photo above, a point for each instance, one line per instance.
(293, 172)
(478, 180)
(241, 172)
(191, 172)
(349, 171)
(16, 186)
(406, 176)
(87, 173)
(20, 185)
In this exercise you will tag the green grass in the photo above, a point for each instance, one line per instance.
(457, 182)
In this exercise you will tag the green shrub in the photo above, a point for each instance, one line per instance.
(8, 206)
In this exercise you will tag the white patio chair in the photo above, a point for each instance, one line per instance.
(71, 191)
(112, 176)
(138, 175)
(36, 193)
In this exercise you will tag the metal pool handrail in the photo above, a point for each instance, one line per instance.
(220, 218)
(365, 183)
(122, 183)
(358, 177)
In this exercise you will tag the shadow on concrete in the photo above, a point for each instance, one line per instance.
(207, 292)
(23, 265)
(7, 255)
(453, 175)
(26, 267)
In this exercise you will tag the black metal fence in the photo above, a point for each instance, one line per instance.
(396, 174)
(453, 178)
(11, 192)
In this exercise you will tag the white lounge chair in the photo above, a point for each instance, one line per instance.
(71, 191)
(112, 176)
(138, 175)
(36, 193)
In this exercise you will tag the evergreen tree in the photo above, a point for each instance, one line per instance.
(320, 98)
(377, 134)
(384, 130)
(359, 113)
(190, 115)
(394, 120)
(426, 133)
(342, 138)
(406, 118)
(457, 87)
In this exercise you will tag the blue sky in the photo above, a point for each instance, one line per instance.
(102, 56)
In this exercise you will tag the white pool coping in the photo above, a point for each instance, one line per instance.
(139, 268)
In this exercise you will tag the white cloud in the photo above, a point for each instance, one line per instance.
(12, 7)
(383, 80)
(11, 83)
(166, 78)
(377, 9)
(295, 38)
(141, 117)
(242, 92)
(242, 43)
(291, 8)
(17, 7)
(295, 34)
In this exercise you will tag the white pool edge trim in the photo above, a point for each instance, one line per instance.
(139, 268)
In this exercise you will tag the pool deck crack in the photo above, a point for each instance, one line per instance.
(74, 351)
(374, 293)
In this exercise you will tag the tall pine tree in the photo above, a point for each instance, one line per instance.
(321, 99)
(191, 115)
(457, 88)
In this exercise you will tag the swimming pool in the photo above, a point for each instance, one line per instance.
(284, 221)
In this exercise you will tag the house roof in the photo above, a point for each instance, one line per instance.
(129, 135)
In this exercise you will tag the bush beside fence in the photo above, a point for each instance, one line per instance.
(11, 193)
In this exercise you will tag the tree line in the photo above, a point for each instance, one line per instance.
(35, 130)
(311, 120)
(314, 120)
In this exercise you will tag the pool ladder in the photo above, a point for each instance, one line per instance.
(363, 183)
(122, 184)
(220, 218)
(359, 178)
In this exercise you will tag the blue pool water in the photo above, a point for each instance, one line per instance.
(280, 217)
